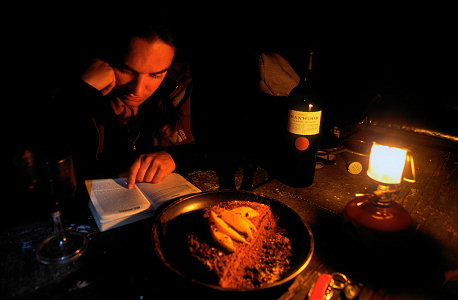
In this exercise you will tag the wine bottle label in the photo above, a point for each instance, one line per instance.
(304, 122)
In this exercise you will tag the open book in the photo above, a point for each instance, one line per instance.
(112, 204)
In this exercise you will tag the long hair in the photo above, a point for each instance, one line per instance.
(117, 46)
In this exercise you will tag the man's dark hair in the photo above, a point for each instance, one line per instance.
(152, 28)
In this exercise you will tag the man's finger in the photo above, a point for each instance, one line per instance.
(108, 89)
(145, 162)
(152, 170)
(159, 175)
(133, 173)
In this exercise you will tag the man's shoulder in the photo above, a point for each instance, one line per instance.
(177, 84)
(179, 72)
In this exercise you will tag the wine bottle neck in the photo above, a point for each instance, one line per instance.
(310, 62)
(308, 70)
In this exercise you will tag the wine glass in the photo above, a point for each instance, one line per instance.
(57, 182)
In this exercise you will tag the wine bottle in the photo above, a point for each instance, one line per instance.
(302, 132)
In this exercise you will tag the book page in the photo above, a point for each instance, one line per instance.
(104, 225)
(112, 199)
(171, 187)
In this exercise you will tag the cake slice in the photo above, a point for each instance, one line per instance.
(261, 260)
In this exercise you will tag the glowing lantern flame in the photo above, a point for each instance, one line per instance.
(386, 164)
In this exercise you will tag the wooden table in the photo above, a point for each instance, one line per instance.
(120, 262)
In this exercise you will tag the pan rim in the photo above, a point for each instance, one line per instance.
(162, 214)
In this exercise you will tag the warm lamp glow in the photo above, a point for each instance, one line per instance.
(379, 211)
(386, 164)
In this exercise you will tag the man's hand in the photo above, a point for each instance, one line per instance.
(151, 167)
(101, 76)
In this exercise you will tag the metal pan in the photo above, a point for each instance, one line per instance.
(180, 217)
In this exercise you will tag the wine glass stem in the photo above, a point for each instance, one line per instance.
(59, 231)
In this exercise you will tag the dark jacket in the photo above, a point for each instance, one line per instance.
(102, 147)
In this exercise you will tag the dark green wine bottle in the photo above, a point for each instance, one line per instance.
(302, 132)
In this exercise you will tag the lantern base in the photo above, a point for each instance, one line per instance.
(362, 211)
(377, 221)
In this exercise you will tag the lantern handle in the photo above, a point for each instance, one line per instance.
(409, 158)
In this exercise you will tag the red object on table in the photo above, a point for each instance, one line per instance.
(320, 287)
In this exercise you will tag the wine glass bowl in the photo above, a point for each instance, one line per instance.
(56, 182)
(56, 179)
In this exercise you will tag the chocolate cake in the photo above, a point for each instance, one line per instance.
(263, 258)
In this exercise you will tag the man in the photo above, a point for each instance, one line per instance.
(135, 104)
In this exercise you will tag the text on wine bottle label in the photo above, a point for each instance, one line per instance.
(304, 122)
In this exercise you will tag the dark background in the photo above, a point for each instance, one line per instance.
(397, 59)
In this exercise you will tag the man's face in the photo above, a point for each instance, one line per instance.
(143, 70)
